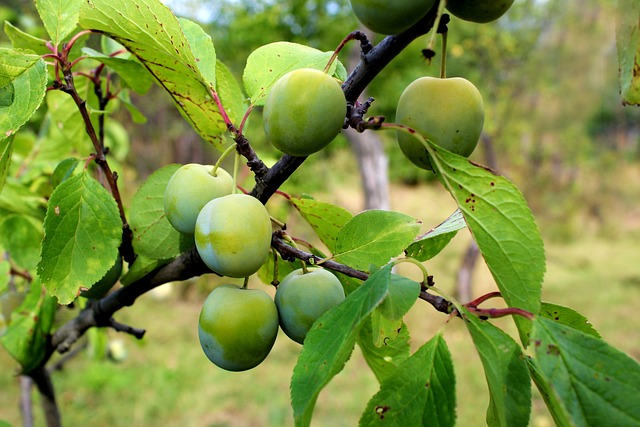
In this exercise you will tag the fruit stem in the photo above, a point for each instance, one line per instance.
(246, 283)
(443, 59)
(275, 282)
(425, 273)
(292, 243)
(236, 167)
(365, 46)
(436, 25)
(214, 171)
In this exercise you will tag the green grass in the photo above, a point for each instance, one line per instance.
(167, 381)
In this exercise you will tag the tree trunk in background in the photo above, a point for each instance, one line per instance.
(373, 165)
(372, 160)
(464, 278)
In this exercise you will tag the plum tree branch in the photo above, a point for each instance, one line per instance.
(289, 253)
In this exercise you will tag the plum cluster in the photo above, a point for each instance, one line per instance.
(393, 17)
(238, 326)
(304, 111)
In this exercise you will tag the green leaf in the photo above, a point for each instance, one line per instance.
(21, 40)
(230, 93)
(140, 268)
(555, 406)
(435, 240)
(383, 352)
(154, 236)
(628, 46)
(21, 237)
(506, 373)
(421, 392)
(502, 226)
(384, 328)
(60, 17)
(403, 293)
(6, 149)
(26, 337)
(325, 219)
(598, 384)
(66, 125)
(569, 317)
(5, 275)
(131, 71)
(64, 170)
(350, 284)
(330, 342)
(202, 48)
(149, 30)
(18, 198)
(268, 63)
(82, 233)
(374, 237)
(23, 83)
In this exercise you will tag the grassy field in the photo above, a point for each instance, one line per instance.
(167, 381)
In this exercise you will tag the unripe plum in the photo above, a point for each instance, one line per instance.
(233, 235)
(304, 111)
(237, 327)
(390, 17)
(449, 112)
(480, 11)
(102, 286)
(302, 298)
(189, 189)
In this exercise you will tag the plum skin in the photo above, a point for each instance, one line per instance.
(233, 235)
(390, 17)
(302, 298)
(449, 112)
(479, 11)
(304, 112)
(189, 189)
(237, 327)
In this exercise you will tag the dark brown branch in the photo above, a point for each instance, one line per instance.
(289, 253)
(187, 265)
(441, 304)
(243, 147)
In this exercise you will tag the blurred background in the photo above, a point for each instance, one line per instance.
(555, 126)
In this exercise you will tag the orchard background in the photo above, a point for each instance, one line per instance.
(555, 126)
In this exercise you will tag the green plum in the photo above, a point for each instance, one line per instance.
(304, 112)
(104, 285)
(233, 235)
(189, 189)
(480, 11)
(390, 17)
(302, 298)
(449, 112)
(237, 327)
